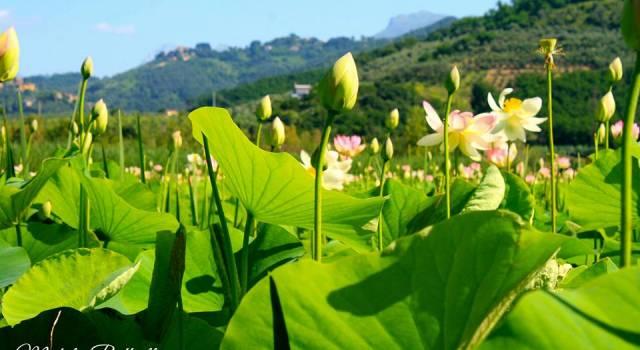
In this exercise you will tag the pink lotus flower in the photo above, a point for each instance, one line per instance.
(530, 179)
(429, 178)
(466, 131)
(501, 154)
(617, 128)
(520, 169)
(569, 174)
(544, 172)
(564, 162)
(348, 146)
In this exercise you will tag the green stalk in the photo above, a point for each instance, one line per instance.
(316, 242)
(104, 160)
(551, 147)
(120, 144)
(74, 114)
(385, 166)
(83, 91)
(192, 201)
(19, 234)
(627, 170)
(226, 246)
(606, 134)
(259, 134)
(23, 137)
(203, 206)
(140, 150)
(595, 143)
(244, 258)
(447, 162)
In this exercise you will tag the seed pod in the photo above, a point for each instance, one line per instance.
(338, 90)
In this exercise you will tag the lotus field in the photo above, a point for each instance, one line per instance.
(345, 246)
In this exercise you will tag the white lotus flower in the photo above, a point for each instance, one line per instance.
(336, 175)
(515, 116)
(465, 131)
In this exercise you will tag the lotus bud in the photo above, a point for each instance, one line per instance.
(263, 112)
(453, 80)
(631, 24)
(3, 134)
(88, 139)
(277, 133)
(393, 120)
(45, 210)
(601, 134)
(338, 90)
(176, 140)
(33, 126)
(388, 150)
(74, 128)
(375, 146)
(615, 70)
(100, 117)
(87, 68)
(9, 55)
(606, 107)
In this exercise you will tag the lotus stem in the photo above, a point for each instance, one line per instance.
(244, 258)
(192, 202)
(552, 148)
(447, 161)
(23, 137)
(104, 160)
(316, 242)
(385, 166)
(120, 144)
(140, 150)
(626, 223)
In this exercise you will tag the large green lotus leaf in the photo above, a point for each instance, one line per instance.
(403, 204)
(517, 198)
(461, 192)
(583, 273)
(63, 191)
(120, 222)
(79, 279)
(275, 187)
(201, 285)
(17, 198)
(602, 313)
(14, 261)
(443, 288)
(489, 193)
(272, 247)
(593, 199)
(42, 240)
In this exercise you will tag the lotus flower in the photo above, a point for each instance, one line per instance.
(348, 146)
(337, 172)
(501, 153)
(515, 116)
(617, 128)
(564, 162)
(465, 131)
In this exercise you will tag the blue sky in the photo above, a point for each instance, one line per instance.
(56, 35)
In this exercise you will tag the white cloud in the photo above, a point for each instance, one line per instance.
(4, 14)
(105, 27)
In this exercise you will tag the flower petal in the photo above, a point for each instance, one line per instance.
(503, 96)
(431, 140)
(492, 103)
(530, 107)
(432, 116)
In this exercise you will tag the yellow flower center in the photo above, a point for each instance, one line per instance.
(512, 104)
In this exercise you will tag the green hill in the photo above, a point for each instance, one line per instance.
(492, 52)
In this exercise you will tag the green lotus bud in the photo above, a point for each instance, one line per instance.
(388, 150)
(375, 146)
(33, 126)
(615, 70)
(338, 90)
(9, 55)
(74, 128)
(45, 210)
(88, 140)
(277, 133)
(263, 112)
(100, 117)
(87, 68)
(606, 107)
(453, 80)
(601, 134)
(176, 140)
(393, 120)
(631, 24)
